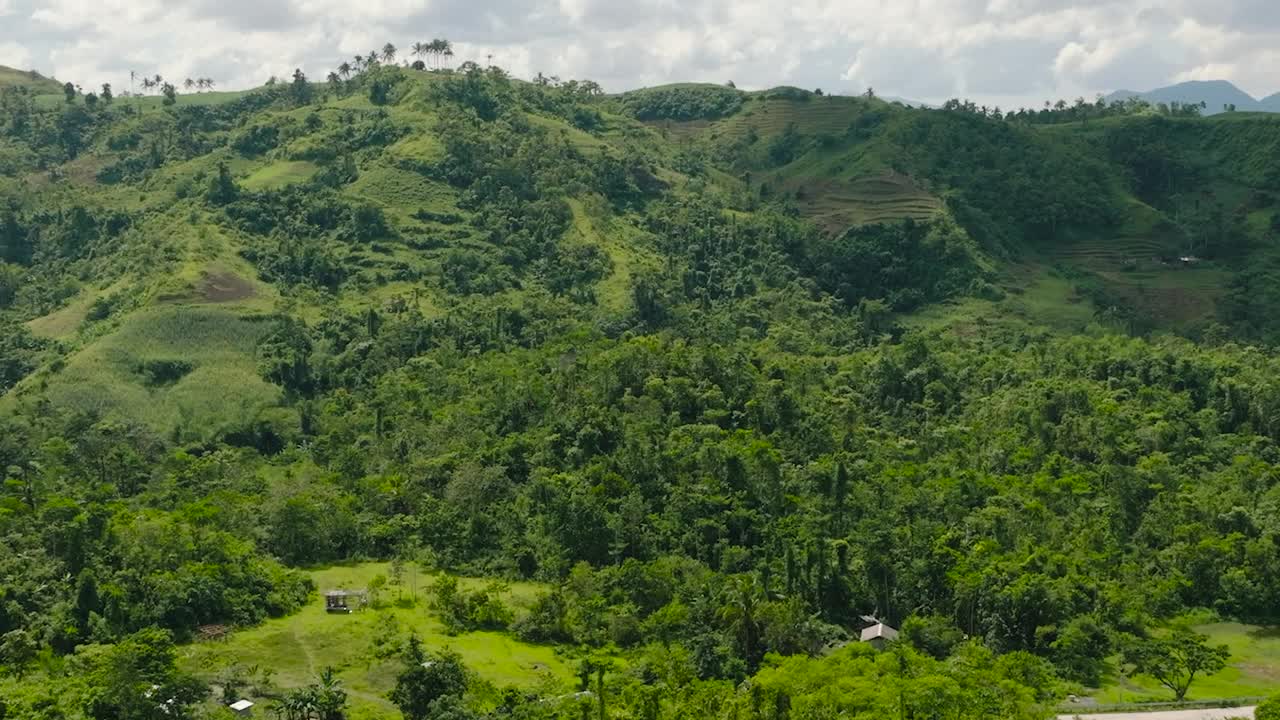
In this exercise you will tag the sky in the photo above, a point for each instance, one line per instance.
(999, 52)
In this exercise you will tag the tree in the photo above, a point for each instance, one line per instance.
(1176, 660)
(69, 91)
(170, 94)
(106, 95)
(138, 679)
(740, 610)
(345, 70)
(300, 90)
(388, 53)
(188, 84)
(426, 680)
(17, 650)
(222, 188)
(330, 697)
(446, 49)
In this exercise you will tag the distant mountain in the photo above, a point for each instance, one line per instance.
(1215, 94)
(908, 102)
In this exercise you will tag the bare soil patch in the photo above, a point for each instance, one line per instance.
(224, 287)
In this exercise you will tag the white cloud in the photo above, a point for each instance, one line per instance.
(15, 56)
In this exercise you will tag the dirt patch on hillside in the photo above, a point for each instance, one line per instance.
(224, 287)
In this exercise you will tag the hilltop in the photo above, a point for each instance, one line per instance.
(687, 382)
(30, 79)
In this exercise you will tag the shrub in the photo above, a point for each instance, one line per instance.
(1268, 709)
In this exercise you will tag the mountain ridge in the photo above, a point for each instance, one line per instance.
(1215, 94)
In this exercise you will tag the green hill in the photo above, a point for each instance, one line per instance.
(708, 375)
(30, 79)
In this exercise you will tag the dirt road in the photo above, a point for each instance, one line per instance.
(1207, 714)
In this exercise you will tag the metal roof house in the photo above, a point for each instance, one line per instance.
(879, 635)
(241, 707)
(345, 601)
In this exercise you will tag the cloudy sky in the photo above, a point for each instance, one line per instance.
(996, 51)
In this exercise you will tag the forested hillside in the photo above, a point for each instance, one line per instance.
(720, 372)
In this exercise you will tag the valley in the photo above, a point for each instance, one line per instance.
(639, 405)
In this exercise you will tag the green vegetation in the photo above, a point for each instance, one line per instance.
(630, 406)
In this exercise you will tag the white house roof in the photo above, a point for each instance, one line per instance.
(241, 705)
(879, 630)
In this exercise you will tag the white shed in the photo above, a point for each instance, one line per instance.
(878, 635)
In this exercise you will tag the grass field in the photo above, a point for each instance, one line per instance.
(613, 292)
(1253, 670)
(218, 388)
(297, 647)
(280, 174)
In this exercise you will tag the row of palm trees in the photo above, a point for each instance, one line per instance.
(438, 51)
(156, 83)
(199, 84)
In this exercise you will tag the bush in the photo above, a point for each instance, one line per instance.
(461, 611)
(1268, 709)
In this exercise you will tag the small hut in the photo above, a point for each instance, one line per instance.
(879, 635)
(243, 708)
(345, 601)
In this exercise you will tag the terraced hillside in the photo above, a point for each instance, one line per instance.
(837, 205)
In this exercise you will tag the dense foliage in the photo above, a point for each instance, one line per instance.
(509, 331)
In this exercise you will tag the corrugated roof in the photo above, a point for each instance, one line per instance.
(879, 630)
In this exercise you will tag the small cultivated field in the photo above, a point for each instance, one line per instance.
(358, 646)
(185, 369)
(886, 197)
(280, 174)
(1252, 671)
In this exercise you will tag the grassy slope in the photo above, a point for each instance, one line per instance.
(39, 84)
(1253, 670)
(299, 646)
(836, 186)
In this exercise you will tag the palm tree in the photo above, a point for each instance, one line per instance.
(344, 70)
(359, 63)
(208, 83)
(372, 60)
(188, 84)
(742, 598)
(388, 53)
(419, 49)
(446, 48)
